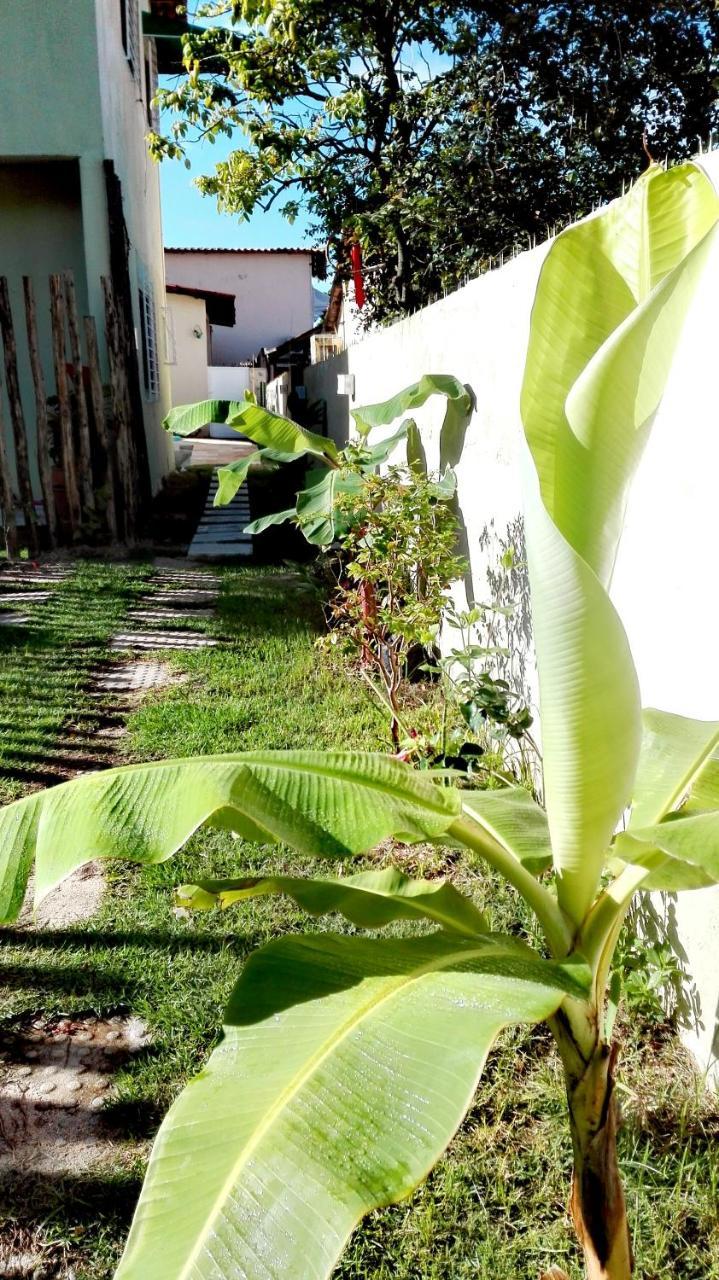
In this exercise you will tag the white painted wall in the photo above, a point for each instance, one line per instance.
(665, 582)
(272, 290)
(187, 353)
(228, 382)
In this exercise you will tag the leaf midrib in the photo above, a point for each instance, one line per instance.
(294, 1087)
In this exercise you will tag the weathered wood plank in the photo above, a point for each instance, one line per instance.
(107, 444)
(121, 409)
(7, 497)
(22, 460)
(83, 420)
(57, 320)
(42, 426)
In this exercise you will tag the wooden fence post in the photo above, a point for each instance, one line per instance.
(83, 422)
(22, 462)
(121, 408)
(98, 411)
(7, 497)
(57, 317)
(44, 462)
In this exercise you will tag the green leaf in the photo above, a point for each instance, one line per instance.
(683, 852)
(379, 453)
(345, 1067)
(18, 833)
(371, 899)
(610, 303)
(516, 821)
(321, 803)
(674, 752)
(232, 476)
(265, 522)
(186, 418)
(456, 418)
(281, 434)
(316, 511)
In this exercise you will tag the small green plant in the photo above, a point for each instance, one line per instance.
(398, 559)
(336, 474)
(495, 714)
(347, 1063)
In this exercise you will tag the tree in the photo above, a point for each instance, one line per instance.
(440, 134)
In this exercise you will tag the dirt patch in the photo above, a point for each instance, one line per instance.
(75, 899)
(55, 1082)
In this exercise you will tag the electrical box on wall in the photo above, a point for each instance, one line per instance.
(346, 385)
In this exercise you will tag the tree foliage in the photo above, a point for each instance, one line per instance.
(440, 134)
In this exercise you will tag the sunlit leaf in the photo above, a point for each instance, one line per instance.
(370, 899)
(345, 1067)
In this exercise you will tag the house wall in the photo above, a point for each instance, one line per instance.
(40, 232)
(124, 126)
(68, 95)
(273, 293)
(188, 354)
(665, 580)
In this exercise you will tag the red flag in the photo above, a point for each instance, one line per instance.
(357, 277)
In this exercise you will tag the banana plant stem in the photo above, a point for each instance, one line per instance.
(557, 929)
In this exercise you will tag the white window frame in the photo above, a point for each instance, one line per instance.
(148, 336)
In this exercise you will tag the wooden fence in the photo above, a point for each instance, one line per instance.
(87, 437)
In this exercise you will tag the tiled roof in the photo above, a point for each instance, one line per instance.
(200, 249)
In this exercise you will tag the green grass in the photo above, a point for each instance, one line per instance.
(45, 666)
(496, 1204)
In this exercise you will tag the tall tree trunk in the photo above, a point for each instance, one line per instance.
(597, 1200)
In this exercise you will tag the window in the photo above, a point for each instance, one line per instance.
(130, 22)
(148, 335)
(153, 119)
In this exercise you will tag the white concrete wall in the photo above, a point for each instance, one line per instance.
(665, 583)
(186, 317)
(228, 382)
(272, 291)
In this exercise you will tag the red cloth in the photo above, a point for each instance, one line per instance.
(357, 277)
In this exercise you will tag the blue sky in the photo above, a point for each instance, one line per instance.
(190, 218)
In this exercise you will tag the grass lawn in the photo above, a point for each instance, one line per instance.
(496, 1204)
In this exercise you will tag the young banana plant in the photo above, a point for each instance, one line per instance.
(347, 1062)
(334, 471)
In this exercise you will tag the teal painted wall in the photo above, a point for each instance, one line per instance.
(40, 232)
(49, 77)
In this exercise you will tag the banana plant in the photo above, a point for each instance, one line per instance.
(347, 1062)
(334, 471)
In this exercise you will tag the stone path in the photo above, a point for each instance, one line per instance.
(56, 1073)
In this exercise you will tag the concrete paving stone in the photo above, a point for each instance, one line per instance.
(135, 640)
(168, 614)
(25, 597)
(222, 549)
(133, 676)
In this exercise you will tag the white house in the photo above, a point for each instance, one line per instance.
(271, 288)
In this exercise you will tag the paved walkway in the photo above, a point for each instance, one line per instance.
(221, 531)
